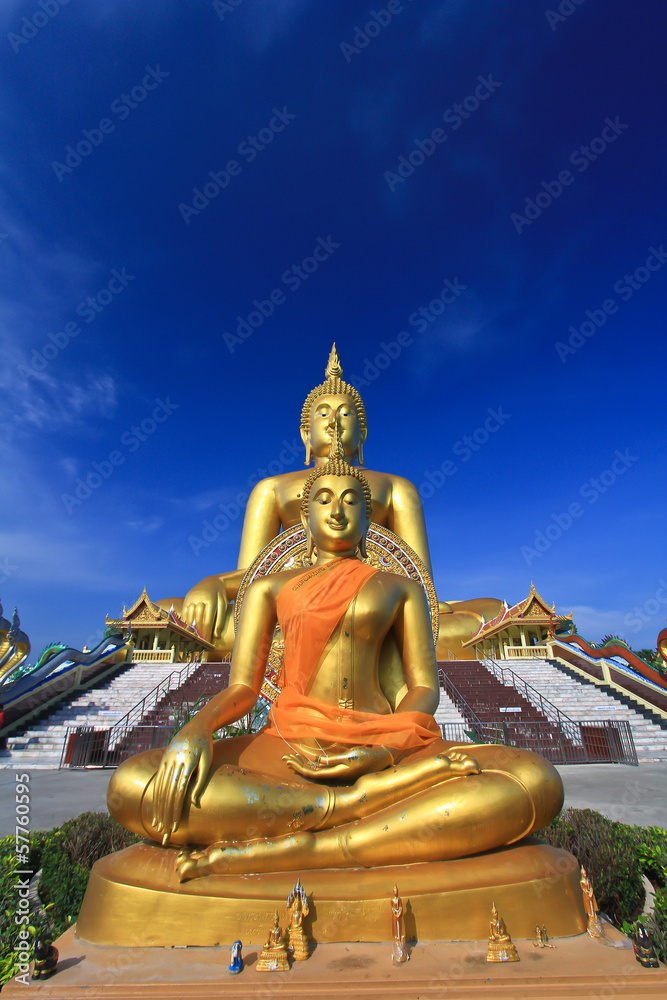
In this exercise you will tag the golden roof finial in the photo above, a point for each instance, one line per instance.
(334, 369)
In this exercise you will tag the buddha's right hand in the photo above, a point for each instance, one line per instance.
(189, 752)
(206, 605)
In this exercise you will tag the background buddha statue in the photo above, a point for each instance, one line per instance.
(275, 503)
(341, 776)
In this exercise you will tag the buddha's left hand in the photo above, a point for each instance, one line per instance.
(350, 764)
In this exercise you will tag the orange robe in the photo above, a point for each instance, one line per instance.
(310, 608)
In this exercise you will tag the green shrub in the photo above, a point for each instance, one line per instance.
(68, 854)
(65, 856)
(609, 852)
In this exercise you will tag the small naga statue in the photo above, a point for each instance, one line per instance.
(297, 905)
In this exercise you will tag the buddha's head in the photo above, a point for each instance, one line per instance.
(332, 403)
(336, 509)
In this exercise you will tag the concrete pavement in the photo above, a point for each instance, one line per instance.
(635, 795)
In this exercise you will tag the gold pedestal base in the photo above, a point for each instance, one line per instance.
(135, 899)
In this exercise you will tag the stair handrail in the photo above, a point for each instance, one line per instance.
(149, 701)
(535, 697)
(464, 707)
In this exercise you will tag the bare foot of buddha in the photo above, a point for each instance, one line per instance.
(193, 864)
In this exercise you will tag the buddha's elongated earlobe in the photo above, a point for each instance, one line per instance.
(362, 543)
(305, 437)
(310, 544)
(360, 449)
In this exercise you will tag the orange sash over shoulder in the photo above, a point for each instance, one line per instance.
(309, 610)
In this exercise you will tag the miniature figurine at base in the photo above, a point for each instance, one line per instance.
(297, 906)
(399, 953)
(236, 963)
(595, 928)
(642, 945)
(274, 953)
(501, 948)
(46, 960)
(541, 938)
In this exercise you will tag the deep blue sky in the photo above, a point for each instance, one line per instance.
(218, 72)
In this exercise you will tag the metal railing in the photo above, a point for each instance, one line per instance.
(598, 741)
(530, 693)
(132, 719)
(559, 738)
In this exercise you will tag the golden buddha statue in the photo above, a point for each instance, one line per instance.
(274, 953)
(501, 947)
(339, 777)
(348, 773)
(275, 504)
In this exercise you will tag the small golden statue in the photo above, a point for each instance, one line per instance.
(501, 948)
(541, 938)
(297, 905)
(595, 928)
(399, 953)
(274, 953)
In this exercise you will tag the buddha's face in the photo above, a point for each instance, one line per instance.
(337, 514)
(324, 413)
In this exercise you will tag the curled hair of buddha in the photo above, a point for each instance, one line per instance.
(335, 386)
(337, 465)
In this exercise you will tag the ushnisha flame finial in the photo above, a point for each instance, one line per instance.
(334, 369)
(334, 385)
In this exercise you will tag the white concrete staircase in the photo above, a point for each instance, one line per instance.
(447, 713)
(41, 745)
(583, 701)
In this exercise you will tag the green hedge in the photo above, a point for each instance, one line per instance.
(65, 856)
(615, 857)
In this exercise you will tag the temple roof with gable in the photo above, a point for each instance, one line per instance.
(533, 610)
(145, 614)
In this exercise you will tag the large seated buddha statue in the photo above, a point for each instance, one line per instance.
(275, 504)
(345, 776)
